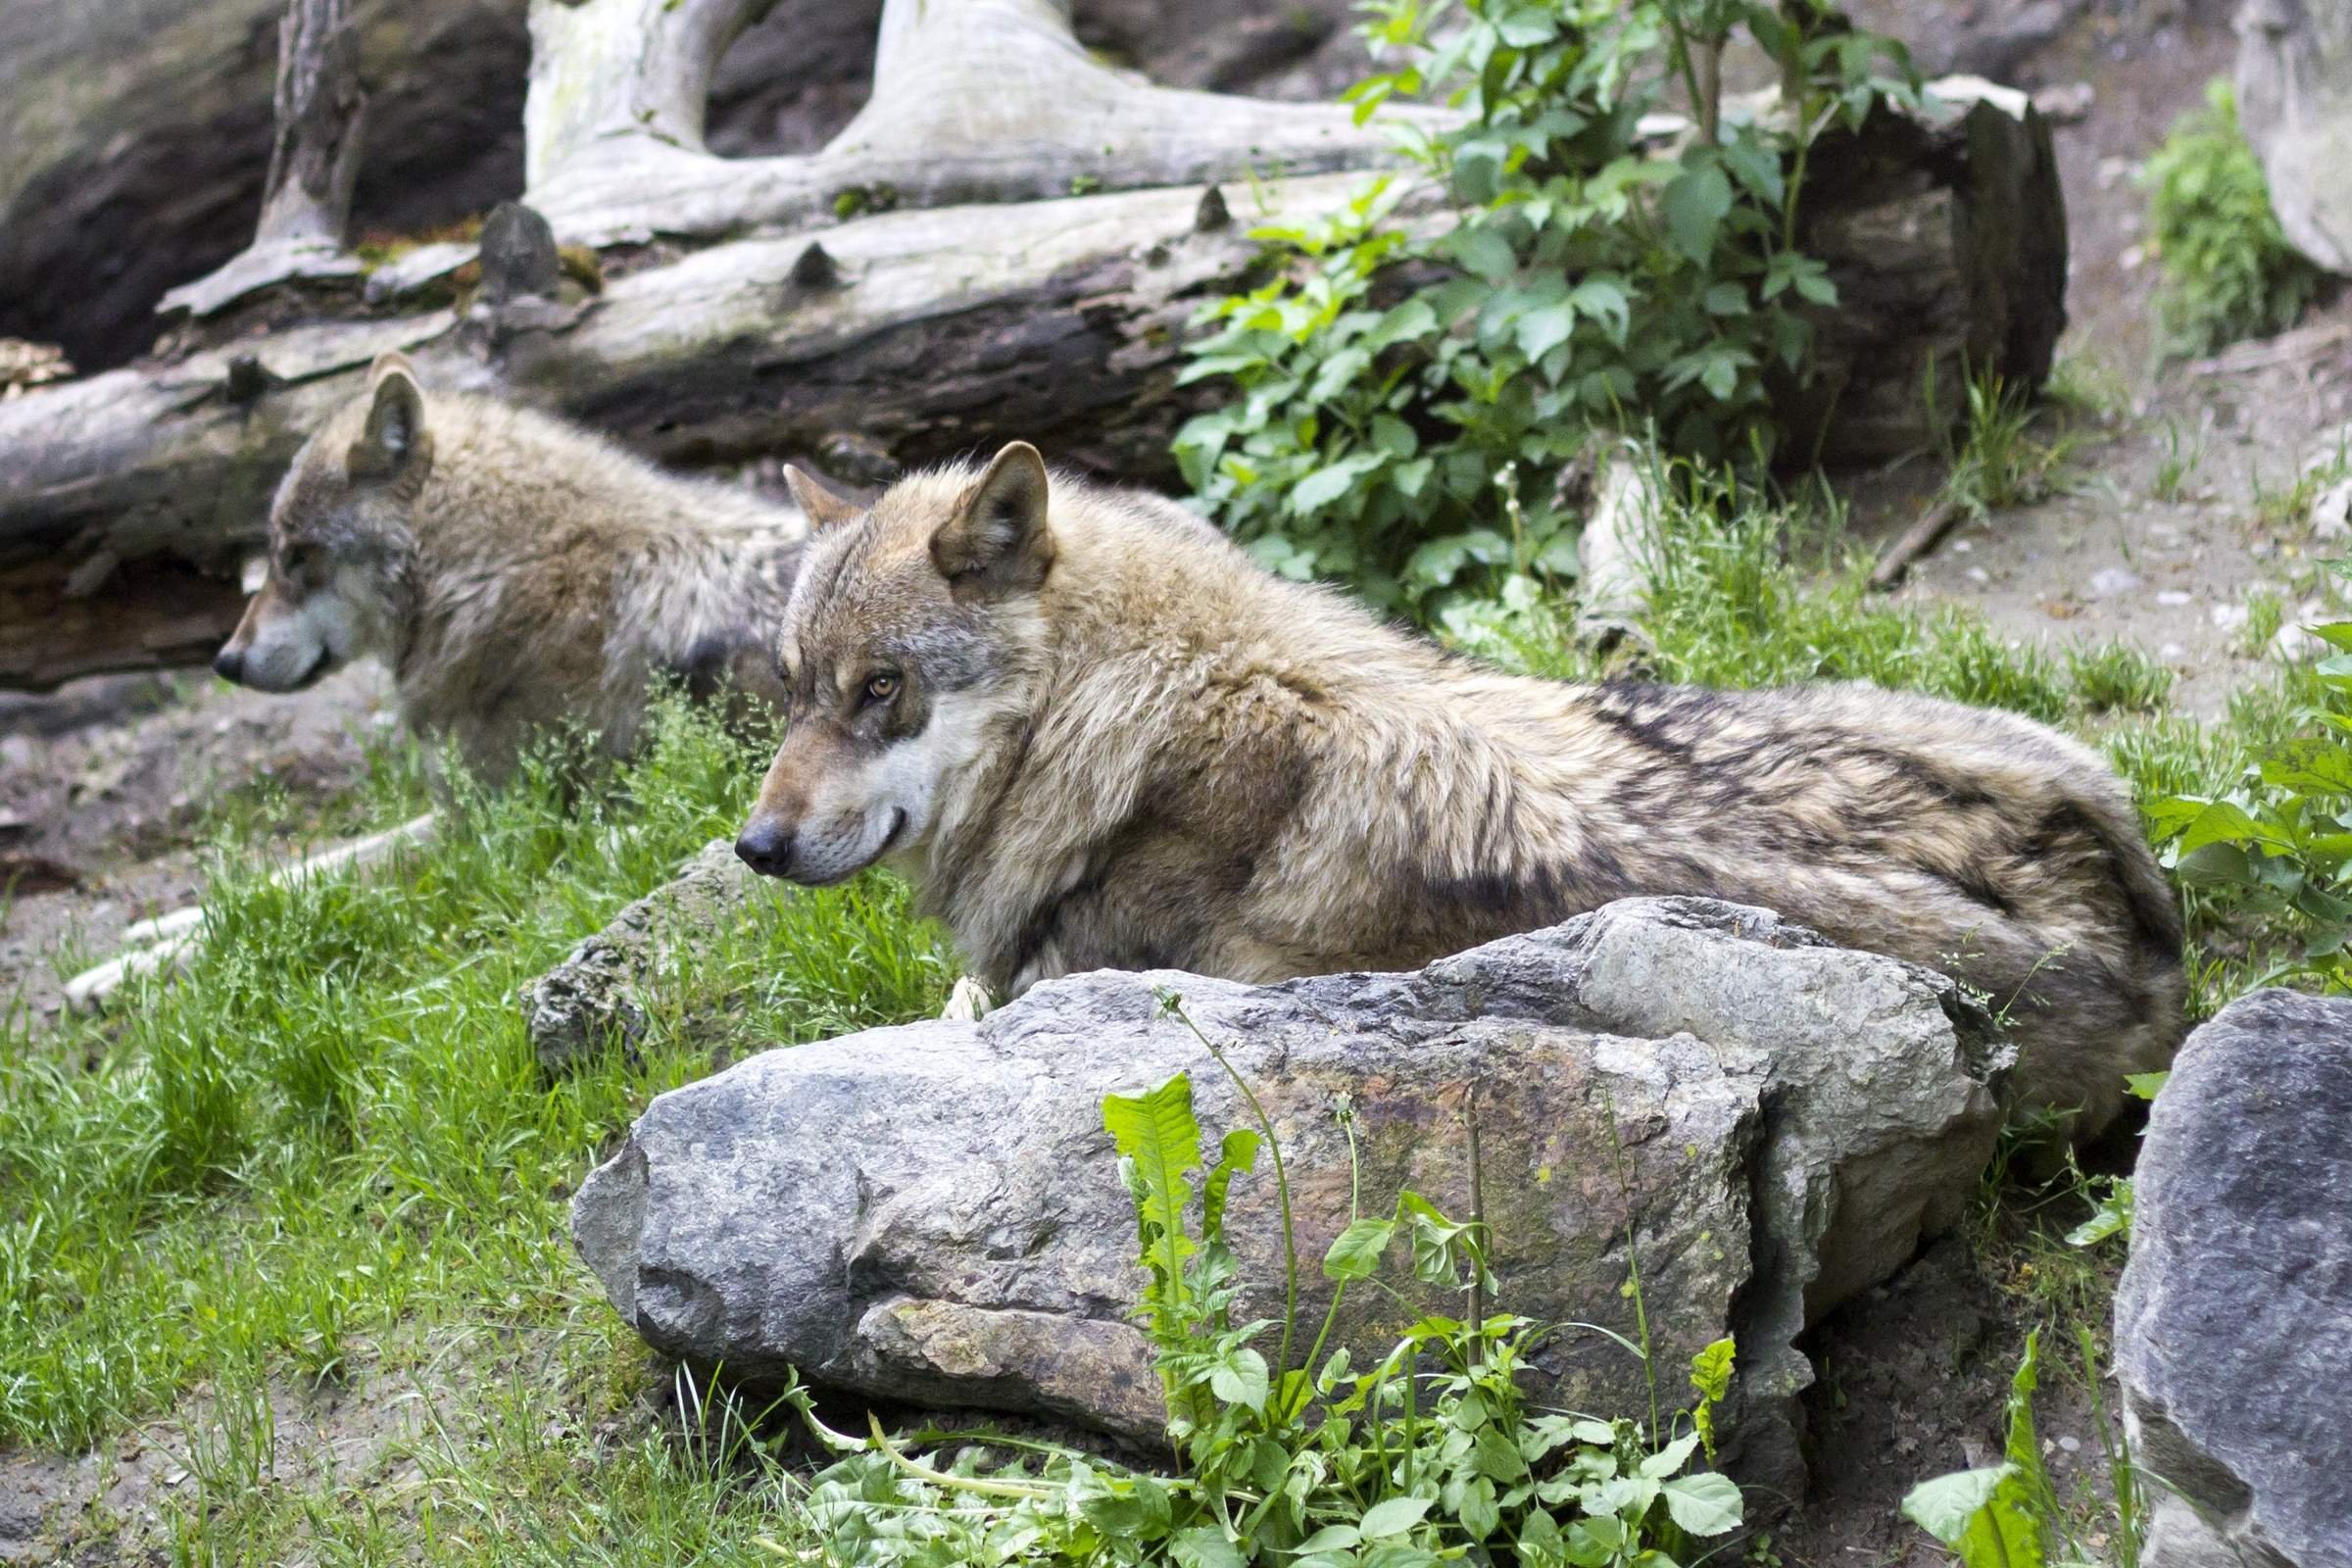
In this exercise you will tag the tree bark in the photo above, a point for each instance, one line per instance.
(136, 138)
(973, 100)
(313, 162)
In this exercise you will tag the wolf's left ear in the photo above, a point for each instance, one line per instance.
(394, 447)
(825, 507)
(997, 541)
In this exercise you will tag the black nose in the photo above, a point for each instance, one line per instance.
(765, 847)
(229, 664)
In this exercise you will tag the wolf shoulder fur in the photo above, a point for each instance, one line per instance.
(513, 571)
(1098, 735)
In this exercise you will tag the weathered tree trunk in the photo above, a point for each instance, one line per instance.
(973, 100)
(314, 160)
(2294, 101)
(136, 138)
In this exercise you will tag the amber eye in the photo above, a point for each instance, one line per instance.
(881, 688)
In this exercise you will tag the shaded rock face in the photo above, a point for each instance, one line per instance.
(2233, 1322)
(594, 995)
(932, 1213)
(2294, 102)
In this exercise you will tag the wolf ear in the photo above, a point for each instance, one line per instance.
(394, 447)
(999, 540)
(826, 506)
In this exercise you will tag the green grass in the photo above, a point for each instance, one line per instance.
(330, 1139)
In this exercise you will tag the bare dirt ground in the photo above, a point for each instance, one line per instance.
(103, 788)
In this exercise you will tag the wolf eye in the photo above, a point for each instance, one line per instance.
(295, 557)
(881, 688)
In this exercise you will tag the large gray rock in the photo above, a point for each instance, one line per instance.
(2233, 1323)
(2294, 102)
(932, 1213)
(597, 995)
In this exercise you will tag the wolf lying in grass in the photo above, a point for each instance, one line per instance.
(1097, 735)
(514, 572)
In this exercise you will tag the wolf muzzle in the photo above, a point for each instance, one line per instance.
(766, 846)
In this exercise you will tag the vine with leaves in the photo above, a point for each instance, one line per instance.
(1590, 271)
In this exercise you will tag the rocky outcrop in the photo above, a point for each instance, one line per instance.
(2233, 1323)
(2294, 102)
(595, 995)
(932, 1213)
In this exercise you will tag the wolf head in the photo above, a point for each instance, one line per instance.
(906, 638)
(339, 541)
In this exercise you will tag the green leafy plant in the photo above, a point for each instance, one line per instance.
(2009, 1515)
(2278, 847)
(1403, 390)
(1431, 1455)
(2228, 272)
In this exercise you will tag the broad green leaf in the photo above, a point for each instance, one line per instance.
(1357, 1254)
(1241, 1379)
(1711, 1369)
(1944, 1507)
(1672, 1457)
(1332, 1538)
(1236, 1154)
(1695, 201)
(1205, 1547)
(1155, 1133)
(1483, 253)
(1394, 1517)
(1704, 1504)
(1544, 328)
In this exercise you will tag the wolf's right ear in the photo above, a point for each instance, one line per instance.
(394, 447)
(825, 507)
(999, 539)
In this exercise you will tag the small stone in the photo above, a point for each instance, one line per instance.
(2174, 599)
(2066, 103)
(1961, 547)
(2111, 581)
(17, 751)
(2132, 258)
(2172, 652)
(2331, 513)
(2069, 1445)
(1978, 575)
(2229, 617)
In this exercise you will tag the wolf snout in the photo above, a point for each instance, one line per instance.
(229, 664)
(766, 846)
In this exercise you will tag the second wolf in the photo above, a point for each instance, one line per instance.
(514, 572)
(1099, 736)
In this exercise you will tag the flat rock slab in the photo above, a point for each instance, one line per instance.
(2233, 1322)
(933, 1214)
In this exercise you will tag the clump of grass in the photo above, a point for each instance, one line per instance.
(335, 1119)
(2117, 678)
(2229, 270)
(1999, 460)
(2178, 465)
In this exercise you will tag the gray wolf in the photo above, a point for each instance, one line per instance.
(511, 571)
(1097, 735)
